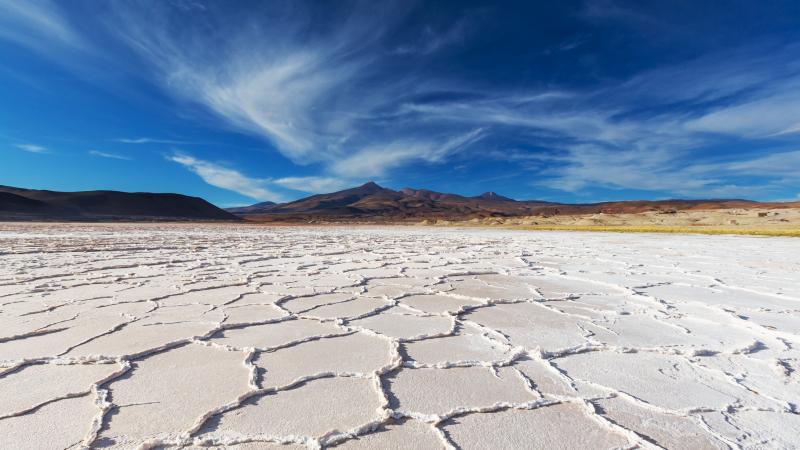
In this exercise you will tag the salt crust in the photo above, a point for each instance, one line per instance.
(210, 336)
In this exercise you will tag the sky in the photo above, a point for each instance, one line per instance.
(241, 102)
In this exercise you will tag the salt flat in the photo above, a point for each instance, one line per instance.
(248, 337)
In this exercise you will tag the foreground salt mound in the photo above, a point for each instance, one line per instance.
(662, 381)
(396, 436)
(55, 426)
(397, 324)
(276, 334)
(245, 446)
(312, 410)
(139, 337)
(467, 346)
(531, 325)
(358, 353)
(208, 336)
(756, 429)
(433, 393)
(164, 394)
(437, 304)
(33, 386)
(250, 313)
(308, 302)
(348, 309)
(64, 332)
(661, 427)
(561, 426)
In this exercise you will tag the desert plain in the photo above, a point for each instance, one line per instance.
(234, 336)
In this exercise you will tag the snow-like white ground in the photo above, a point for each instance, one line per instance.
(194, 336)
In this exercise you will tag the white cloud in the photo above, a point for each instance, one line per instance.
(791, 129)
(661, 171)
(108, 155)
(225, 178)
(376, 161)
(32, 148)
(592, 166)
(782, 164)
(144, 140)
(314, 185)
(38, 25)
(259, 189)
(298, 92)
(772, 115)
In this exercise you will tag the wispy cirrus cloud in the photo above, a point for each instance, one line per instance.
(774, 114)
(377, 160)
(38, 25)
(314, 184)
(283, 92)
(313, 95)
(258, 188)
(109, 155)
(146, 140)
(226, 178)
(32, 148)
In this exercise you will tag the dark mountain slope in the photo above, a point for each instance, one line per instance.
(18, 203)
(252, 209)
(367, 197)
(493, 196)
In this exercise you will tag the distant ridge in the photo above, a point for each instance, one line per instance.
(373, 202)
(31, 204)
(494, 197)
(252, 209)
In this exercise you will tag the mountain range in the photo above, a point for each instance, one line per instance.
(368, 202)
(31, 204)
(373, 202)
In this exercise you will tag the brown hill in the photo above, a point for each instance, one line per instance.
(493, 196)
(374, 203)
(252, 209)
(359, 200)
(21, 204)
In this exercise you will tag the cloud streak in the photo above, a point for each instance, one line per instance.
(377, 160)
(108, 155)
(145, 140)
(37, 25)
(313, 184)
(226, 178)
(32, 148)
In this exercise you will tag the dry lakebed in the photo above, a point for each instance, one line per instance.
(199, 336)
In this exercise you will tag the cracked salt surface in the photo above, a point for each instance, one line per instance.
(224, 336)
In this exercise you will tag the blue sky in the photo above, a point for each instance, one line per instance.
(240, 102)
